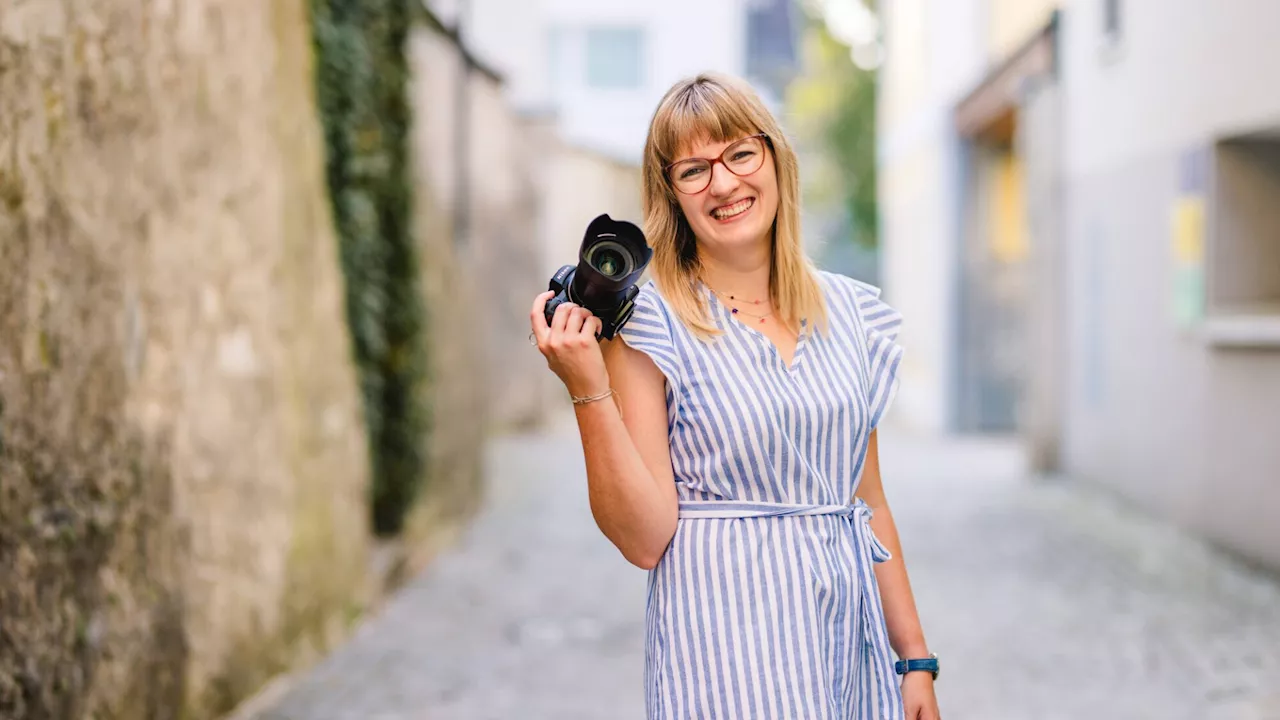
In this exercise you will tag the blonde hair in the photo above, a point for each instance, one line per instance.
(721, 109)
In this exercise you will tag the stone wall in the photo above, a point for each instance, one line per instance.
(580, 185)
(182, 462)
(524, 198)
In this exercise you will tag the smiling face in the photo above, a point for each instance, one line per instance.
(732, 211)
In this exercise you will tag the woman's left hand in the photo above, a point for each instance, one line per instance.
(918, 697)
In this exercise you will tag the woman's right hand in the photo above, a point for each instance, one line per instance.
(569, 344)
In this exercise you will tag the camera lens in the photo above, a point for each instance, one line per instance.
(610, 259)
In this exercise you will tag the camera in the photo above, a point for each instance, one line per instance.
(613, 256)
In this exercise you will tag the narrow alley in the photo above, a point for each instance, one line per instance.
(1043, 600)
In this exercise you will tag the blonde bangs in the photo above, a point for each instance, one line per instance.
(717, 108)
(704, 113)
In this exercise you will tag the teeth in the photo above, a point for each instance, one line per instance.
(734, 209)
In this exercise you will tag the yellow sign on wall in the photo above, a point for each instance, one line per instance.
(1187, 236)
(1188, 230)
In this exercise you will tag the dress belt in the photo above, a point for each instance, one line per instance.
(858, 514)
(867, 547)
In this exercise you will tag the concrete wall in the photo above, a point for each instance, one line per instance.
(934, 54)
(455, 314)
(1175, 423)
(1144, 232)
(1165, 53)
(527, 196)
(582, 185)
(1041, 408)
(181, 451)
(938, 51)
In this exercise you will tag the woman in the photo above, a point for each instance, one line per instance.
(746, 390)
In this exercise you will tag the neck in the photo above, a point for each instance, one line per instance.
(742, 274)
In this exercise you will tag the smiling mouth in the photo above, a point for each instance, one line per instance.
(728, 212)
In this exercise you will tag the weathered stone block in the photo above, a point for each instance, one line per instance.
(182, 458)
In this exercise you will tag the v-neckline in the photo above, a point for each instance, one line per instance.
(789, 365)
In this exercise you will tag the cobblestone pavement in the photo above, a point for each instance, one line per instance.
(1045, 602)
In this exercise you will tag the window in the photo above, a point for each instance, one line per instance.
(1112, 20)
(615, 58)
(557, 56)
(1243, 260)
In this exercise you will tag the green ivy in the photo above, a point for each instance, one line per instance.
(362, 81)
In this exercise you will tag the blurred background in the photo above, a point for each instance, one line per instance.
(273, 443)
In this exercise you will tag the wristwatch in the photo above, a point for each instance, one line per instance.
(929, 664)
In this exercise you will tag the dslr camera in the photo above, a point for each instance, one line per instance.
(613, 256)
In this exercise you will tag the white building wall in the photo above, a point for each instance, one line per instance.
(1181, 70)
(681, 39)
(1155, 410)
(541, 48)
(510, 36)
(934, 54)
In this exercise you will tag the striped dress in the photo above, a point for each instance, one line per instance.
(765, 604)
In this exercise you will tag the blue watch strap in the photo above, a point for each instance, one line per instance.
(929, 665)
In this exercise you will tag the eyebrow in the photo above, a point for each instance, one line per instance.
(730, 144)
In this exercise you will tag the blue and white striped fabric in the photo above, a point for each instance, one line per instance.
(765, 604)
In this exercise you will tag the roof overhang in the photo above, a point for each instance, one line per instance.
(989, 111)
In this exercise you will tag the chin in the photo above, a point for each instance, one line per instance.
(742, 236)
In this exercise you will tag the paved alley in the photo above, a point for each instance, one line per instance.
(1045, 602)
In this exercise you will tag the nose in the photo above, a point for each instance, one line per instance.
(723, 181)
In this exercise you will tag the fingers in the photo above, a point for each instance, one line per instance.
(576, 319)
(569, 319)
(570, 322)
(537, 316)
(561, 318)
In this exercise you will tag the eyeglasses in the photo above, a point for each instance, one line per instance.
(744, 157)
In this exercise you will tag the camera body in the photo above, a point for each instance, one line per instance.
(612, 258)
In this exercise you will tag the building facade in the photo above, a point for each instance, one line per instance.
(537, 127)
(1171, 210)
(601, 66)
(1081, 218)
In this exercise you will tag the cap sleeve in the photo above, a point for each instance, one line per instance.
(881, 324)
(649, 330)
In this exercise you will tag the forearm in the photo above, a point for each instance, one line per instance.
(905, 633)
(631, 508)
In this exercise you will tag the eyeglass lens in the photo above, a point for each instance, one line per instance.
(742, 158)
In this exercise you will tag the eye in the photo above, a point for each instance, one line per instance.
(690, 172)
(743, 154)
